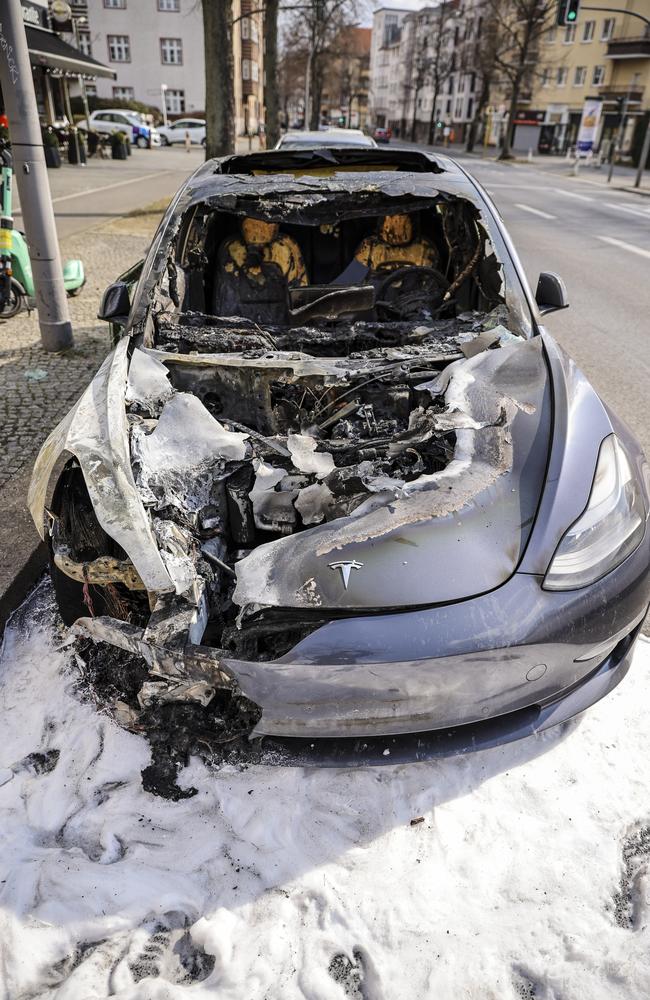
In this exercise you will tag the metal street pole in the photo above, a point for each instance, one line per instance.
(617, 145)
(82, 83)
(163, 97)
(645, 152)
(31, 177)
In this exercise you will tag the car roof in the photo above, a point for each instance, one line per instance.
(329, 136)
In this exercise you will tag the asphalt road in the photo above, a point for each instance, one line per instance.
(598, 240)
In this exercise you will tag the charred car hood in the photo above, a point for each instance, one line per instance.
(411, 547)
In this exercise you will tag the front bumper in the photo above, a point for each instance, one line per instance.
(428, 682)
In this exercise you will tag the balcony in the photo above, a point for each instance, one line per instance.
(611, 92)
(629, 48)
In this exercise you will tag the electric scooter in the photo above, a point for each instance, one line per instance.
(16, 279)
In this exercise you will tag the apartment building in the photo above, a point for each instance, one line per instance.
(385, 99)
(156, 49)
(424, 82)
(604, 55)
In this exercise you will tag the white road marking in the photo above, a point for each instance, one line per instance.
(534, 211)
(641, 212)
(625, 246)
(108, 187)
(572, 194)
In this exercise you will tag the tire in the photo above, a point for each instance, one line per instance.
(164, 141)
(141, 142)
(71, 503)
(73, 292)
(203, 141)
(16, 301)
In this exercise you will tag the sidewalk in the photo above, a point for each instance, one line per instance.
(37, 389)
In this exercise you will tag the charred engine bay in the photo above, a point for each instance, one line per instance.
(281, 441)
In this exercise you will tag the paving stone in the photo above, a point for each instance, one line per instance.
(30, 407)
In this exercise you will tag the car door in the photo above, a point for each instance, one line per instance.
(197, 131)
(122, 124)
(102, 123)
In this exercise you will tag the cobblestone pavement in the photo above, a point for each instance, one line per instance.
(37, 388)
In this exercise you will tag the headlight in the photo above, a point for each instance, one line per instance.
(610, 528)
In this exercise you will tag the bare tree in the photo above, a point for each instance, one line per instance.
(442, 54)
(219, 78)
(519, 26)
(479, 56)
(271, 89)
(317, 23)
(421, 72)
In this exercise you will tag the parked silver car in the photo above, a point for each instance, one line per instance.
(110, 120)
(175, 132)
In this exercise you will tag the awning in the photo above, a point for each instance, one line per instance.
(48, 50)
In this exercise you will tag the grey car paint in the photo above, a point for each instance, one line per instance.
(476, 670)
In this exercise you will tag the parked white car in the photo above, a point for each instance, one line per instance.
(110, 120)
(175, 131)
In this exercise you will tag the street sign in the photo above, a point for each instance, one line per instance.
(589, 122)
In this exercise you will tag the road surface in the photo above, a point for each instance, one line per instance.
(598, 240)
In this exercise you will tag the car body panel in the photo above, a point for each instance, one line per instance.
(442, 638)
(175, 131)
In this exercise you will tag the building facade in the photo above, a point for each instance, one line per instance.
(385, 99)
(604, 55)
(156, 49)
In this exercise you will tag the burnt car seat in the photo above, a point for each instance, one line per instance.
(255, 271)
(396, 246)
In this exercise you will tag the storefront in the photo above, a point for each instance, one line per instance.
(55, 65)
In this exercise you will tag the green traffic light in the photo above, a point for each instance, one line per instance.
(571, 16)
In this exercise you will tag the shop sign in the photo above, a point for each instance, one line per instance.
(32, 14)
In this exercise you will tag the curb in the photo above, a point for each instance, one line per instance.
(23, 556)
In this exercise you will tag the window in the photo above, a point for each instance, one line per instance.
(171, 51)
(246, 69)
(608, 29)
(91, 90)
(598, 76)
(588, 31)
(115, 4)
(550, 34)
(255, 37)
(569, 34)
(85, 44)
(119, 48)
(546, 77)
(123, 93)
(562, 76)
(175, 102)
(580, 76)
(172, 5)
(245, 29)
(255, 71)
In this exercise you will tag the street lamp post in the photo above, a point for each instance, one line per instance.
(163, 96)
(82, 83)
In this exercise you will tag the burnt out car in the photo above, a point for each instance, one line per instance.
(336, 468)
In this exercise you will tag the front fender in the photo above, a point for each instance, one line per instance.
(95, 431)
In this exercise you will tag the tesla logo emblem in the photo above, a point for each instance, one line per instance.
(346, 568)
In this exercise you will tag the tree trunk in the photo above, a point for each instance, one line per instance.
(506, 146)
(478, 114)
(415, 112)
(432, 117)
(271, 97)
(219, 78)
(316, 92)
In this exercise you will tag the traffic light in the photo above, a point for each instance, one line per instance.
(567, 11)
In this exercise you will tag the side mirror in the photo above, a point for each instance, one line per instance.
(551, 293)
(116, 304)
